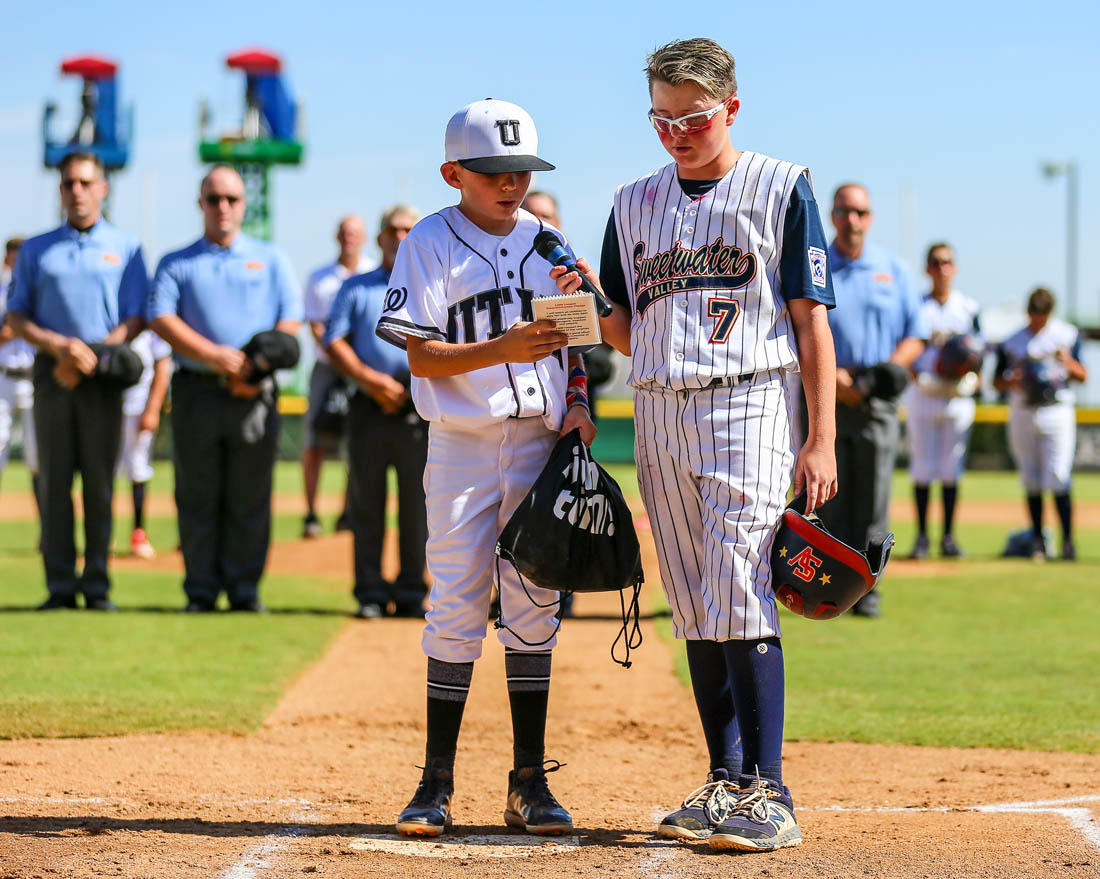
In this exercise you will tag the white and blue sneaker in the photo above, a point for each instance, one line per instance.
(702, 810)
(761, 820)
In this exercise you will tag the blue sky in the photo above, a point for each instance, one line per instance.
(943, 110)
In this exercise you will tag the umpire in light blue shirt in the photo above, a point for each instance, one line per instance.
(83, 283)
(383, 431)
(207, 301)
(876, 321)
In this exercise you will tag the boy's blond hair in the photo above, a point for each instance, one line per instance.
(699, 61)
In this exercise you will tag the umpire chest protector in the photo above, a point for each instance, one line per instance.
(814, 574)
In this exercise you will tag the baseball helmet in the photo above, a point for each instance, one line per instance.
(959, 355)
(1039, 381)
(816, 575)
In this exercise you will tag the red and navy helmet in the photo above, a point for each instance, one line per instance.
(959, 355)
(816, 575)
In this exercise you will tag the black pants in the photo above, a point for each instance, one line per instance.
(866, 449)
(80, 430)
(376, 442)
(224, 454)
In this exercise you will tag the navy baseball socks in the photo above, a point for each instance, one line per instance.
(429, 811)
(530, 805)
(708, 805)
(739, 812)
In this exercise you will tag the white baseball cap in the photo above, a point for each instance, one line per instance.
(494, 137)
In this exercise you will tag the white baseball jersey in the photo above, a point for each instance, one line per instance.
(321, 290)
(707, 279)
(17, 353)
(703, 274)
(1025, 345)
(1043, 439)
(150, 348)
(456, 283)
(957, 315)
(937, 416)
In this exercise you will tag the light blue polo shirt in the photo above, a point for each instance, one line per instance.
(876, 306)
(226, 294)
(79, 284)
(354, 316)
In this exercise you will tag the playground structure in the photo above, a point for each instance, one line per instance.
(268, 134)
(104, 129)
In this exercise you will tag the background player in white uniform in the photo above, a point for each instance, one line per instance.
(493, 385)
(718, 265)
(1036, 365)
(141, 407)
(939, 411)
(16, 386)
(321, 290)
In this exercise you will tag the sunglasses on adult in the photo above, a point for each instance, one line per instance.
(691, 123)
(213, 199)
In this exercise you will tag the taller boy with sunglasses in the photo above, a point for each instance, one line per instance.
(717, 263)
(207, 301)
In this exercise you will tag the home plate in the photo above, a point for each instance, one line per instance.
(492, 846)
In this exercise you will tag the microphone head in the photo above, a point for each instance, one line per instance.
(545, 244)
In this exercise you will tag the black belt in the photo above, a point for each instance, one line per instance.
(731, 380)
(216, 378)
(17, 371)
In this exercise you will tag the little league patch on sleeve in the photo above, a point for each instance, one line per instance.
(817, 266)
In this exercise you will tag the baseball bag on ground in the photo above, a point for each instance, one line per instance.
(118, 364)
(816, 575)
(959, 355)
(573, 532)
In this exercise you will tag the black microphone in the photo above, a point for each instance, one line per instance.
(549, 247)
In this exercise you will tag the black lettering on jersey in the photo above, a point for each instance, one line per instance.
(509, 131)
(491, 301)
(714, 266)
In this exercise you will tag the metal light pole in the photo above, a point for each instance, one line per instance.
(1069, 168)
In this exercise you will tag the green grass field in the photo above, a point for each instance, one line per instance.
(995, 653)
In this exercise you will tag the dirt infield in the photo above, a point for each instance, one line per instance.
(315, 790)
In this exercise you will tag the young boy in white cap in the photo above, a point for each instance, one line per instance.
(498, 388)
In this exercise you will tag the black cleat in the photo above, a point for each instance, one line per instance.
(311, 526)
(702, 810)
(1069, 554)
(949, 549)
(429, 811)
(869, 605)
(531, 806)
(59, 601)
(198, 607)
(343, 522)
(920, 548)
(252, 606)
(100, 604)
(369, 611)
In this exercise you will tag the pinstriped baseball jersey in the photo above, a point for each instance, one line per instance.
(703, 275)
(456, 283)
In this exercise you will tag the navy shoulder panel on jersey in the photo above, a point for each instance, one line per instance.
(802, 265)
(612, 278)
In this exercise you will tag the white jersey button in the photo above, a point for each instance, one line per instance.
(684, 303)
(679, 355)
(689, 229)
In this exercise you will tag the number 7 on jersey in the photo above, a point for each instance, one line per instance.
(727, 311)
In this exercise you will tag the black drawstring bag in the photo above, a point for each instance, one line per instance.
(573, 532)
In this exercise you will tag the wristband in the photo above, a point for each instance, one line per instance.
(576, 391)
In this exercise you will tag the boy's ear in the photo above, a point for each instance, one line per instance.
(449, 171)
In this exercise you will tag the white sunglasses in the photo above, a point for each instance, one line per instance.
(692, 123)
